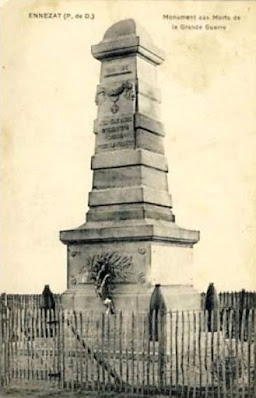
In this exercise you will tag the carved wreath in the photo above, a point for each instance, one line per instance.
(105, 269)
(114, 94)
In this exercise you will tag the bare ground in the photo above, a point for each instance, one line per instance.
(27, 393)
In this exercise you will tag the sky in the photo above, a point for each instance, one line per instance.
(208, 88)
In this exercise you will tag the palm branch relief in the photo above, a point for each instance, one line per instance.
(105, 270)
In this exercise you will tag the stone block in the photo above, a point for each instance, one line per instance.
(115, 132)
(154, 160)
(129, 158)
(135, 279)
(146, 71)
(132, 211)
(130, 176)
(118, 69)
(117, 177)
(148, 90)
(148, 123)
(115, 98)
(181, 298)
(129, 195)
(171, 264)
(148, 106)
(149, 141)
(131, 298)
(154, 178)
(129, 259)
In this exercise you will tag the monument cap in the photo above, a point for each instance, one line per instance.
(127, 37)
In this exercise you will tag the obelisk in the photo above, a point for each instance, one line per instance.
(130, 241)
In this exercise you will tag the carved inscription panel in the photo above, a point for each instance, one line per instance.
(115, 133)
(116, 108)
(118, 69)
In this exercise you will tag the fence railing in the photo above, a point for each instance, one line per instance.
(187, 354)
(235, 300)
(25, 300)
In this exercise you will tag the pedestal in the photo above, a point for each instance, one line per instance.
(130, 241)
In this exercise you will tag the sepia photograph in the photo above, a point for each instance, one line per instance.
(128, 174)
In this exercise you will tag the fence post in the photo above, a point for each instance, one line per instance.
(212, 306)
(62, 346)
(254, 336)
(162, 348)
(2, 375)
(6, 353)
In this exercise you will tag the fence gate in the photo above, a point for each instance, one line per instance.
(30, 346)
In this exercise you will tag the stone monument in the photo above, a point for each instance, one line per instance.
(130, 241)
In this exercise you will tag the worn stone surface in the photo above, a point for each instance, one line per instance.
(148, 90)
(130, 230)
(148, 106)
(127, 38)
(126, 194)
(130, 220)
(170, 263)
(129, 176)
(149, 141)
(149, 124)
(131, 211)
(132, 297)
(146, 264)
(129, 158)
(115, 70)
